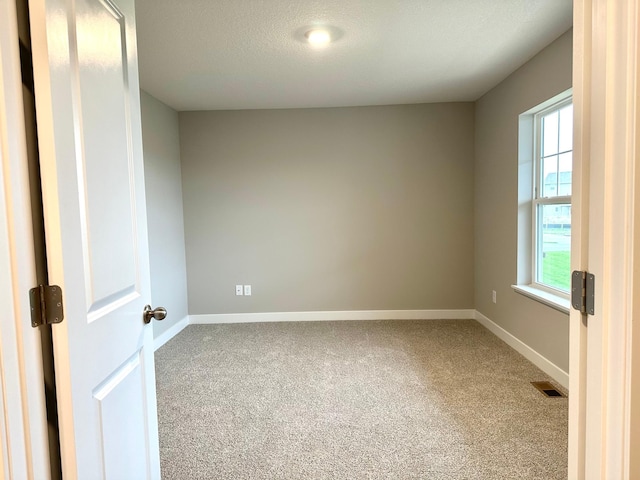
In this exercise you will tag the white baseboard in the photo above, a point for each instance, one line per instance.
(526, 351)
(332, 316)
(164, 337)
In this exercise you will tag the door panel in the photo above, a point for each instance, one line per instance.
(105, 162)
(121, 396)
(88, 107)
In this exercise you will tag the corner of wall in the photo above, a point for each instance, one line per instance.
(165, 216)
(541, 328)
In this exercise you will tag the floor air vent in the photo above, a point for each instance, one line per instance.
(548, 389)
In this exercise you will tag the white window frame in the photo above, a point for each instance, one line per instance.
(528, 183)
(538, 201)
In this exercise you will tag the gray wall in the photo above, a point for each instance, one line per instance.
(329, 209)
(163, 186)
(496, 201)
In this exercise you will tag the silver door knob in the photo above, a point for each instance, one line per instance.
(158, 313)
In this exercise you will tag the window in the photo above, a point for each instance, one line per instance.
(545, 166)
(553, 164)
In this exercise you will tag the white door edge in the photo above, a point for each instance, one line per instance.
(23, 423)
(580, 229)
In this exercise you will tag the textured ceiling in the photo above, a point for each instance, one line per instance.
(241, 54)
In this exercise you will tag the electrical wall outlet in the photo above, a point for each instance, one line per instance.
(247, 290)
(239, 290)
(494, 297)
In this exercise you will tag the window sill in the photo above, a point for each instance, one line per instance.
(554, 301)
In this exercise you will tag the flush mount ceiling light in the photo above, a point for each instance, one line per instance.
(318, 37)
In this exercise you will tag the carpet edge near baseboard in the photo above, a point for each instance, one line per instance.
(346, 315)
(539, 360)
(535, 357)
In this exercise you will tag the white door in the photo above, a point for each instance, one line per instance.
(88, 114)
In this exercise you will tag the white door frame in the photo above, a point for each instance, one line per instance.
(23, 422)
(607, 240)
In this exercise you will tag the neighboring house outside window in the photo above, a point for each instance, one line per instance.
(544, 201)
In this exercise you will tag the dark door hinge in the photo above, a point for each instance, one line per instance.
(583, 286)
(46, 305)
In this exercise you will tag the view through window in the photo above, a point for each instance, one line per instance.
(552, 197)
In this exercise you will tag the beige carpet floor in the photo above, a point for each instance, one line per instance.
(442, 399)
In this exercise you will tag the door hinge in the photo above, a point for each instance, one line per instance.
(583, 291)
(46, 305)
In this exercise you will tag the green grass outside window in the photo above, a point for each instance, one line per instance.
(556, 270)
